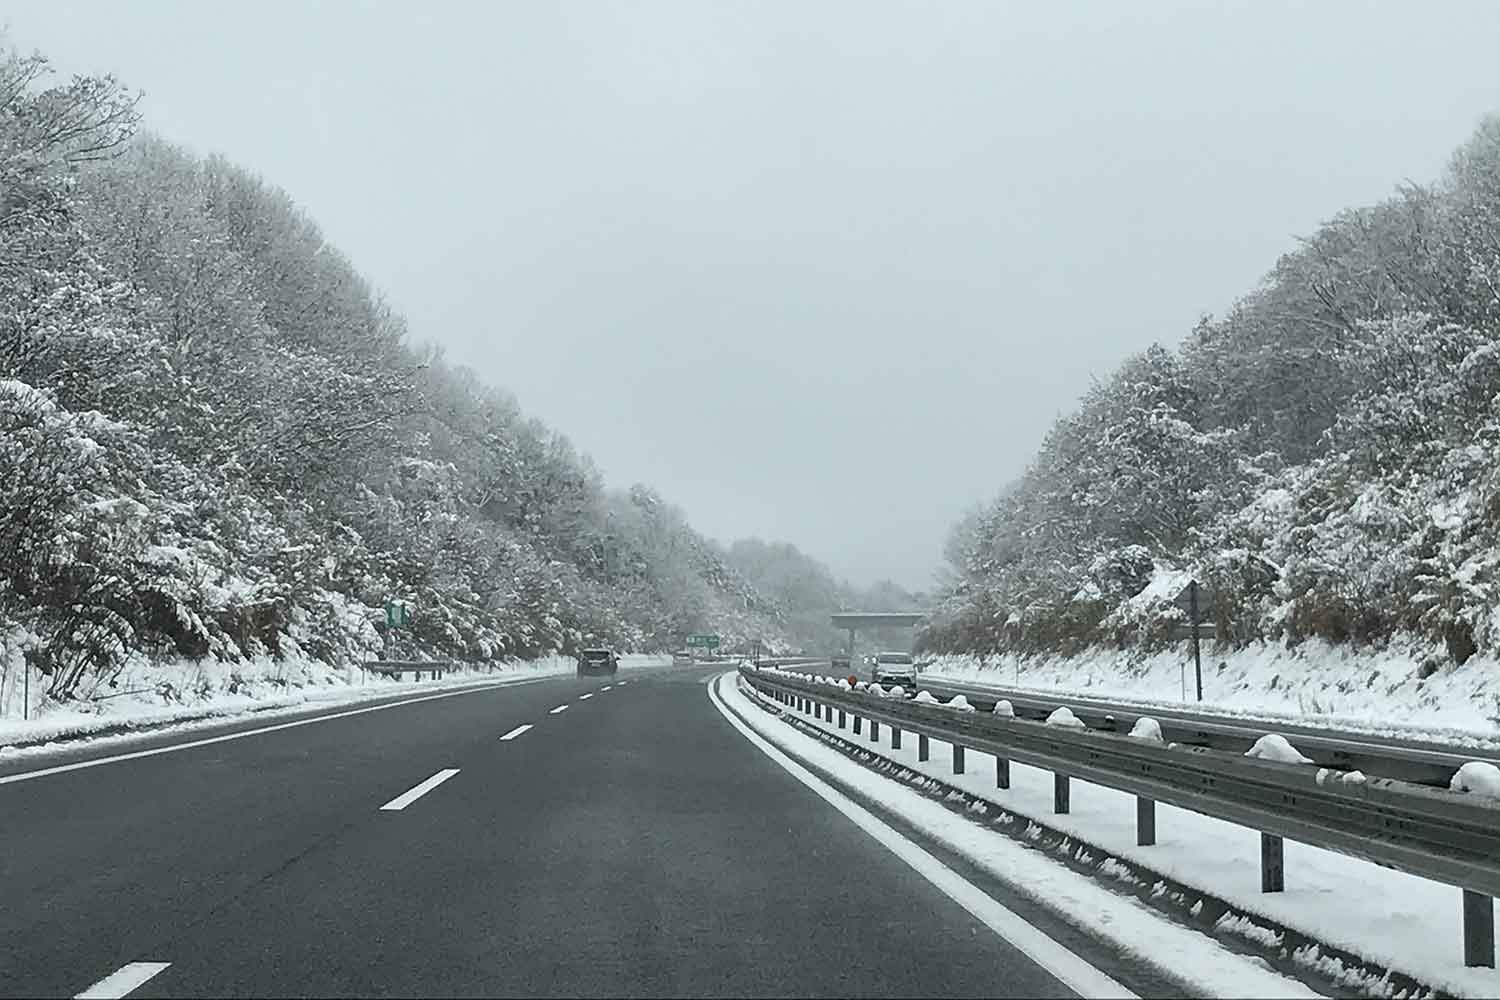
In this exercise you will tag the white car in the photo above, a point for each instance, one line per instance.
(895, 668)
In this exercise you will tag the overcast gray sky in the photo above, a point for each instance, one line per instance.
(818, 271)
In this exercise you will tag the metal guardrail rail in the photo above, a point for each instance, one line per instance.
(1423, 762)
(395, 668)
(1450, 837)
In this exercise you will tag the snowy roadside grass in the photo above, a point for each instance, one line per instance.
(1386, 917)
(201, 696)
(1182, 954)
(1379, 691)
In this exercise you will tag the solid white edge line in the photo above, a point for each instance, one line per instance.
(411, 795)
(173, 748)
(516, 731)
(122, 981)
(559, 708)
(585, 697)
(1063, 964)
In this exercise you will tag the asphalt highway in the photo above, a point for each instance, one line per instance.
(567, 837)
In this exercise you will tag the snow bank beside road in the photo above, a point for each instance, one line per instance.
(1197, 960)
(168, 694)
(1388, 917)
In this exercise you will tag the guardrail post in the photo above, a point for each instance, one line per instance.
(958, 759)
(1145, 821)
(843, 719)
(1272, 864)
(857, 721)
(874, 731)
(895, 737)
(1061, 793)
(1479, 930)
(1002, 772)
(923, 750)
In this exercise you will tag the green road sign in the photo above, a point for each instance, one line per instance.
(711, 641)
(396, 615)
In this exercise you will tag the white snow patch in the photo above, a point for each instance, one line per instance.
(926, 698)
(1064, 718)
(1479, 777)
(1274, 746)
(959, 704)
(1146, 728)
(1005, 709)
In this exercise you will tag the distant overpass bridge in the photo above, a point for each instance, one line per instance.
(853, 621)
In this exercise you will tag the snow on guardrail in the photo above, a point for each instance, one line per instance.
(1479, 777)
(1064, 718)
(1146, 729)
(1274, 746)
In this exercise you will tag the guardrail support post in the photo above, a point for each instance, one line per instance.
(857, 722)
(1061, 793)
(843, 719)
(874, 731)
(1479, 930)
(1002, 772)
(923, 749)
(895, 737)
(958, 759)
(1272, 865)
(1145, 821)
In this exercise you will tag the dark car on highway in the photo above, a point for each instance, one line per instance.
(598, 661)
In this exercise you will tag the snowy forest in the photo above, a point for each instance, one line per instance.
(218, 442)
(1324, 459)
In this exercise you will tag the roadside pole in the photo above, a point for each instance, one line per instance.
(1197, 655)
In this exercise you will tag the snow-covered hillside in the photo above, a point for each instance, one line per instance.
(1323, 460)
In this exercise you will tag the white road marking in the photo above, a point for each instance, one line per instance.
(191, 744)
(1067, 966)
(559, 708)
(606, 687)
(411, 795)
(585, 697)
(516, 732)
(123, 981)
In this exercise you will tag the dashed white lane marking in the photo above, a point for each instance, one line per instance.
(411, 795)
(585, 697)
(559, 708)
(516, 732)
(606, 687)
(123, 981)
(1064, 964)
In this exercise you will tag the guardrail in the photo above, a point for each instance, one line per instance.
(1423, 762)
(1450, 837)
(395, 668)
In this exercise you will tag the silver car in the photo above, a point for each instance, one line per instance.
(895, 668)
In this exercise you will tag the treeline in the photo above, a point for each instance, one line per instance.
(1326, 456)
(217, 441)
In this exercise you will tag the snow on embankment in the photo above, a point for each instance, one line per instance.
(1369, 688)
